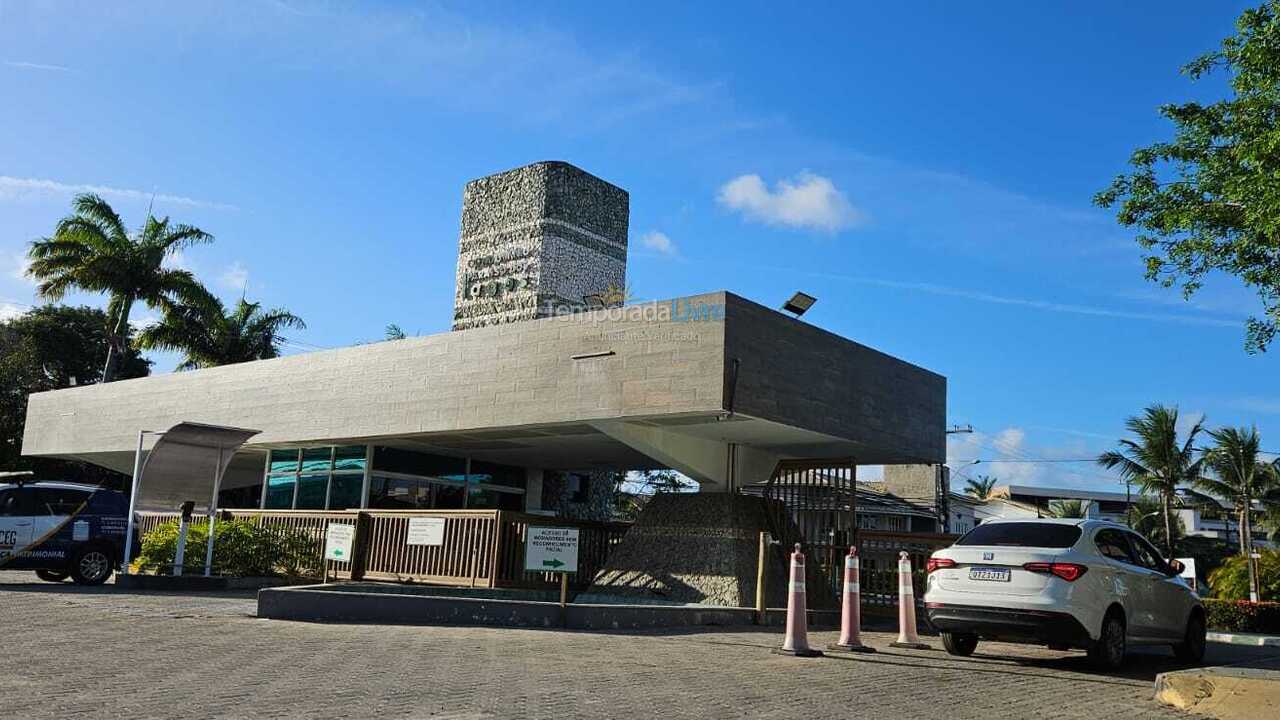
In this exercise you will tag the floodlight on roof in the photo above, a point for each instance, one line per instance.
(799, 303)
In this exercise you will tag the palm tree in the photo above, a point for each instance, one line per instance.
(1067, 508)
(92, 251)
(1156, 460)
(208, 335)
(1144, 516)
(1240, 478)
(980, 488)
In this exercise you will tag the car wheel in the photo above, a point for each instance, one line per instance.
(962, 644)
(91, 566)
(1191, 649)
(1108, 652)
(52, 576)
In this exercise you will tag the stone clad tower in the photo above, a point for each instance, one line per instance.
(539, 240)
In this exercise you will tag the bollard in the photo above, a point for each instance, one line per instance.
(907, 637)
(796, 641)
(851, 609)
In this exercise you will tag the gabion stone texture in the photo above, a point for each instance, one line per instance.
(537, 241)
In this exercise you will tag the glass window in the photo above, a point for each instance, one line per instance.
(344, 491)
(414, 463)
(1111, 544)
(1146, 555)
(14, 502)
(280, 492)
(487, 499)
(59, 501)
(284, 461)
(350, 457)
(1022, 534)
(311, 491)
(450, 497)
(494, 474)
(387, 493)
(317, 460)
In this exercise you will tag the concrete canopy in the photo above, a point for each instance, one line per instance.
(187, 464)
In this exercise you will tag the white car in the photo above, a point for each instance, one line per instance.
(1085, 584)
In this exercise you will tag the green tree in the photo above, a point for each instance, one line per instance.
(393, 332)
(209, 336)
(1209, 199)
(980, 488)
(92, 251)
(1146, 517)
(1156, 460)
(1232, 580)
(49, 348)
(1239, 477)
(1067, 508)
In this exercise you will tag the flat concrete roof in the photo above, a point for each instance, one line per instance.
(602, 388)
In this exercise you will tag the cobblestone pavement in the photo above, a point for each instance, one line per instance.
(103, 652)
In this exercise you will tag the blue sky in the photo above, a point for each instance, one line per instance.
(926, 172)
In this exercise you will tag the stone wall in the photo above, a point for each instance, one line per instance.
(689, 548)
(535, 241)
(558, 496)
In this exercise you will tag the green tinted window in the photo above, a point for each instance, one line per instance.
(284, 461)
(280, 492)
(311, 490)
(349, 458)
(316, 459)
(344, 491)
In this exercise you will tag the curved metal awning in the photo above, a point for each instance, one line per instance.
(187, 463)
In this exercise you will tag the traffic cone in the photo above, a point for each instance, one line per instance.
(907, 637)
(796, 641)
(851, 609)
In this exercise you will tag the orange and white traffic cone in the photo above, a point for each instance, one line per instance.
(796, 641)
(907, 637)
(851, 609)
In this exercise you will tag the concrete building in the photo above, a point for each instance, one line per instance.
(536, 398)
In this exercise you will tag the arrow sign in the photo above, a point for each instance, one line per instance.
(551, 549)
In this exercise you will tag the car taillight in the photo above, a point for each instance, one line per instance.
(938, 564)
(1067, 571)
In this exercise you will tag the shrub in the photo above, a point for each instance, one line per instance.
(1243, 616)
(241, 549)
(1231, 580)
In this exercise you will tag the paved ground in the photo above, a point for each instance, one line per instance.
(72, 652)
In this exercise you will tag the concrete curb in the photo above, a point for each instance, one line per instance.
(1226, 693)
(1248, 639)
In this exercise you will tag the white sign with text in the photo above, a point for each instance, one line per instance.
(338, 539)
(551, 549)
(425, 531)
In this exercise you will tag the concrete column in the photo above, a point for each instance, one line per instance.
(532, 489)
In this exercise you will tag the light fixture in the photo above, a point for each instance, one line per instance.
(799, 303)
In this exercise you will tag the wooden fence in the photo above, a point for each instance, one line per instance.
(480, 548)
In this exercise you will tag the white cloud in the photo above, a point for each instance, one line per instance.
(1259, 405)
(18, 269)
(36, 66)
(659, 243)
(9, 311)
(15, 188)
(1009, 441)
(806, 201)
(235, 277)
(177, 260)
(143, 322)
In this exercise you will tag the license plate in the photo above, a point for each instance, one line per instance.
(989, 574)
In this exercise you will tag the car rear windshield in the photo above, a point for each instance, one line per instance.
(1023, 534)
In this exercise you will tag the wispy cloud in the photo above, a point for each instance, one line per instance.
(806, 201)
(660, 243)
(1259, 405)
(235, 277)
(18, 268)
(35, 66)
(14, 188)
(1047, 305)
(9, 311)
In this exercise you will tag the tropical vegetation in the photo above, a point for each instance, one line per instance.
(208, 335)
(981, 488)
(1208, 200)
(91, 250)
(1157, 460)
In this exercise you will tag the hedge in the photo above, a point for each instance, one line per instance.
(1243, 616)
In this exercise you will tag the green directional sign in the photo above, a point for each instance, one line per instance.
(551, 549)
(337, 541)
